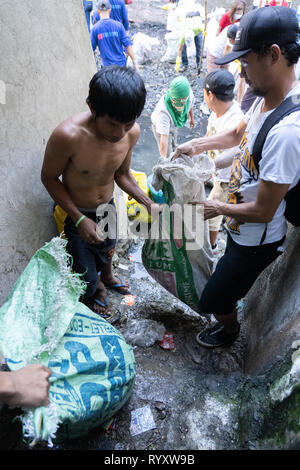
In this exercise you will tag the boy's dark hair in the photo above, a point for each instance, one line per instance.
(118, 92)
(290, 51)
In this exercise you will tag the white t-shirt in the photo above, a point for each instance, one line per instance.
(215, 125)
(280, 163)
(162, 119)
(217, 46)
(172, 21)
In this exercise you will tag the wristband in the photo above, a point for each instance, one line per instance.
(80, 220)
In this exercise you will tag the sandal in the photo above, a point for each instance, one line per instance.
(106, 316)
(216, 336)
(118, 287)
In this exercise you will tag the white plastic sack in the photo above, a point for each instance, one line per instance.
(142, 47)
(173, 41)
(180, 265)
(190, 44)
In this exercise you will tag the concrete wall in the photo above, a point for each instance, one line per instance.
(272, 309)
(46, 65)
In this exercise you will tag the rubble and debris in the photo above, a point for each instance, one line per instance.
(128, 300)
(167, 342)
(143, 332)
(141, 420)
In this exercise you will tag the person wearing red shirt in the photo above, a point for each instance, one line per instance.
(274, 3)
(232, 16)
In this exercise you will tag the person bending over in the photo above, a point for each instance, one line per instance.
(172, 112)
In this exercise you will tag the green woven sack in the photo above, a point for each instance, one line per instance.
(93, 369)
(181, 267)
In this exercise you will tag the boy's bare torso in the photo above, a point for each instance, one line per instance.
(93, 161)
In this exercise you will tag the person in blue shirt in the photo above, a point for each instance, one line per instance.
(118, 13)
(88, 6)
(110, 37)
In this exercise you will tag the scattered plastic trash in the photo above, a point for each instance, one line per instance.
(167, 342)
(123, 266)
(141, 420)
(144, 332)
(128, 300)
(110, 425)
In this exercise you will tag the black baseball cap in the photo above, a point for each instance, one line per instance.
(263, 26)
(220, 82)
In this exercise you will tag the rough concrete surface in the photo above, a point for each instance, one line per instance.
(241, 397)
(45, 68)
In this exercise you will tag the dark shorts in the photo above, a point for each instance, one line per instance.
(90, 259)
(235, 274)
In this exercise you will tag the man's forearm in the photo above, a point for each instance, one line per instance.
(129, 49)
(262, 210)
(245, 212)
(128, 184)
(60, 195)
(224, 160)
(223, 140)
(6, 387)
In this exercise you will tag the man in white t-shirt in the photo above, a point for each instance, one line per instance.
(266, 45)
(218, 88)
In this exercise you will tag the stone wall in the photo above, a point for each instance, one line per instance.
(46, 65)
(272, 309)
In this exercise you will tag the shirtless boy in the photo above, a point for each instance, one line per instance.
(91, 150)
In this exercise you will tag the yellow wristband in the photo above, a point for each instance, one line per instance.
(80, 220)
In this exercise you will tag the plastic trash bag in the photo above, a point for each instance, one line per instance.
(173, 39)
(133, 207)
(177, 252)
(142, 47)
(143, 332)
(42, 321)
